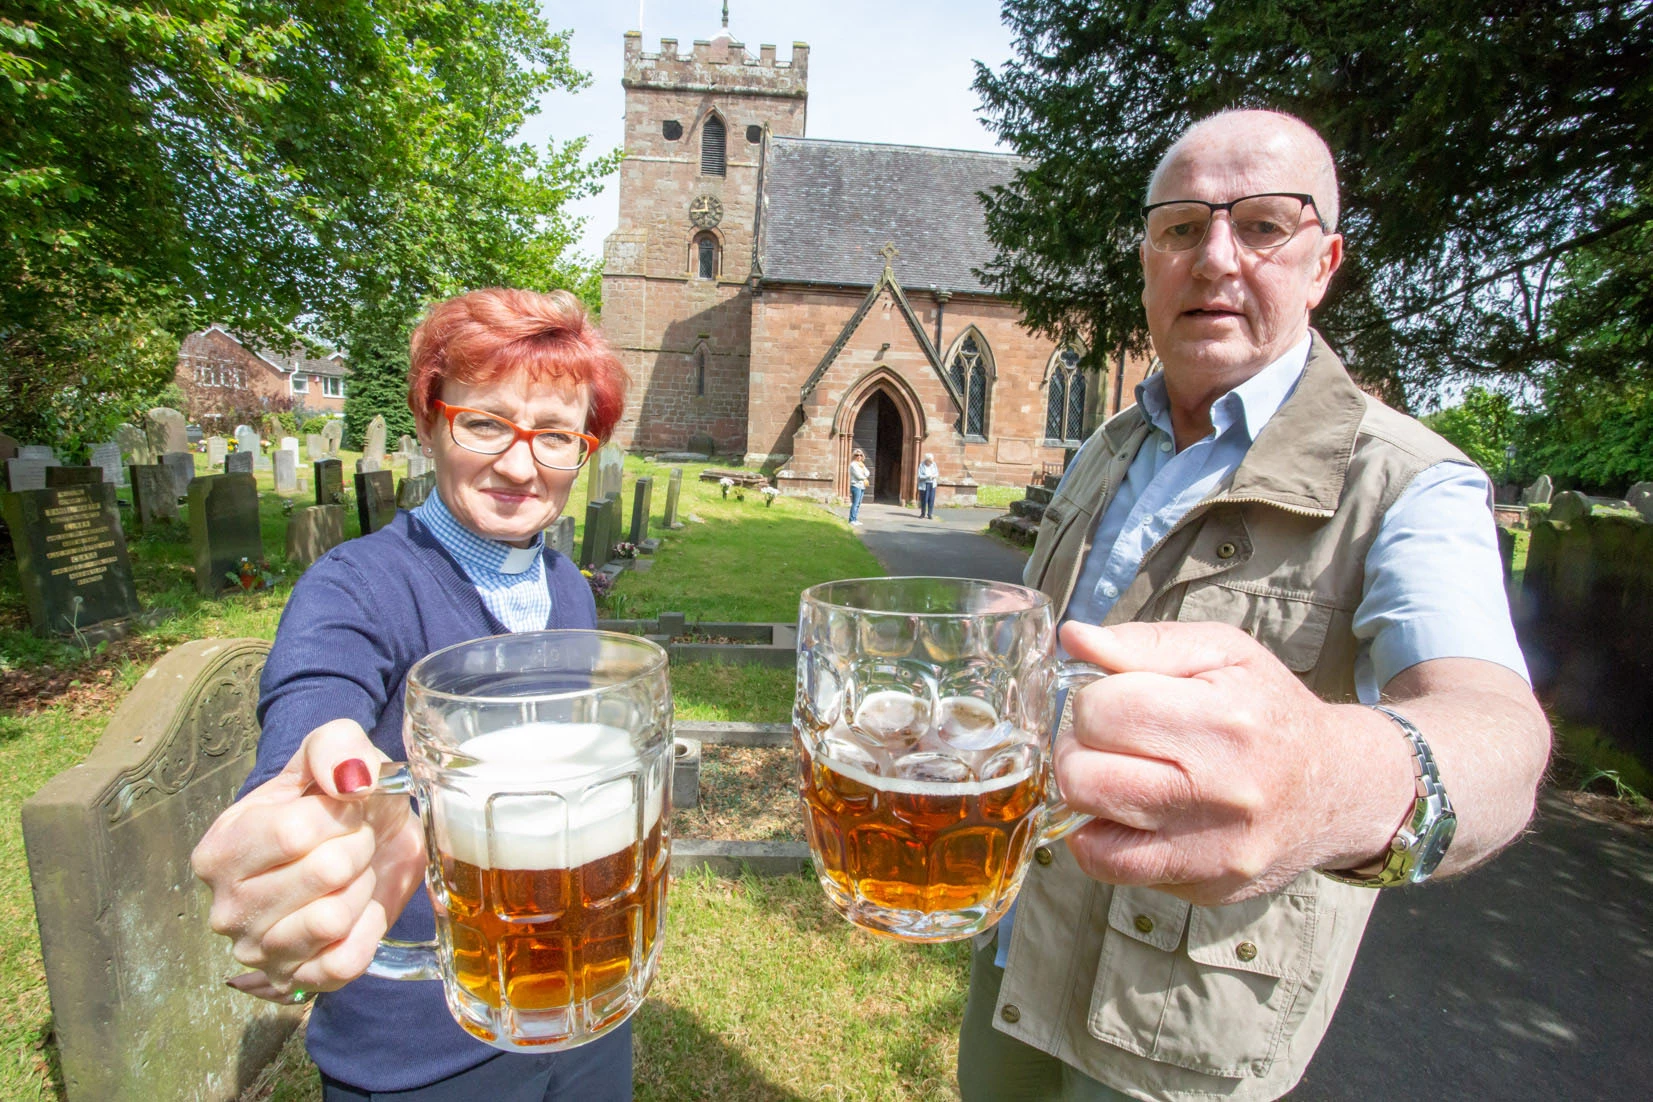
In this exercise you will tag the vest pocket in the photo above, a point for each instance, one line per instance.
(1210, 989)
(1293, 628)
(1058, 516)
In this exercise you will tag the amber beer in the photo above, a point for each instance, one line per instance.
(550, 880)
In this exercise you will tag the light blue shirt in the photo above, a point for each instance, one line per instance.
(1434, 580)
(510, 580)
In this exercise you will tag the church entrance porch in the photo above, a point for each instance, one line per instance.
(879, 433)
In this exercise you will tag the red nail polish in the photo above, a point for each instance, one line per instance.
(352, 776)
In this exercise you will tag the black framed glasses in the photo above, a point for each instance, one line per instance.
(1264, 221)
(489, 434)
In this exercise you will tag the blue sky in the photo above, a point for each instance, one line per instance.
(881, 72)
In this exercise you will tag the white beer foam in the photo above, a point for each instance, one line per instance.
(528, 829)
(923, 788)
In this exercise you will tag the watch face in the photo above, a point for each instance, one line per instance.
(1434, 847)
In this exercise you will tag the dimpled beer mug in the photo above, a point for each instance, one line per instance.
(541, 765)
(923, 726)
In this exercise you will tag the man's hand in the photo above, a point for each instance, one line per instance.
(1213, 773)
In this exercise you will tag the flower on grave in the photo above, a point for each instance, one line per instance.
(625, 550)
(725, 482)
(250, 575)
(770, 493)
(600, 583)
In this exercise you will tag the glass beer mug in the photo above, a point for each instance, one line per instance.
(541, 765)
(923, 723)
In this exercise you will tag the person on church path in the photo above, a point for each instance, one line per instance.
(928, 473)
(511, 392)
(1269, 553)
(858, 475)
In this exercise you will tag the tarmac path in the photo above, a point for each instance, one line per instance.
(1530, 978)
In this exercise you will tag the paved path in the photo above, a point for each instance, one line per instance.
(1531, 978)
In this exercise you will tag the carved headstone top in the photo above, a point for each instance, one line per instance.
(373, 440)
(1540, 492)
(1569, 506)
(332, 435)
(1640, 498)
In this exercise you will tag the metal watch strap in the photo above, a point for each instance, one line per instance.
(1430, 797)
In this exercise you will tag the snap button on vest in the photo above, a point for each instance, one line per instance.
(1246, 951)
(1010, 1013)
(1144, 924)
(1042, 855)
(1226, 550)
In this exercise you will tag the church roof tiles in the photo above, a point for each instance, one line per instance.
(830, 207)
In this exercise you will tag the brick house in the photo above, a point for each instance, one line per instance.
(788, 299)
(226, 379)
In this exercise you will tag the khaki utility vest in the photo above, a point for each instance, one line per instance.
(1132, 986)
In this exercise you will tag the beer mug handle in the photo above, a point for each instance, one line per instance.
(395, 959)
(1060, 819)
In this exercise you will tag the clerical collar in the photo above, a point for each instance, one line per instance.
(474, 551)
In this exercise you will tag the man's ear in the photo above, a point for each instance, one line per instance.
(1329, 259)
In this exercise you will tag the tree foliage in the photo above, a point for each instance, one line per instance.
(271, 164)
(1482, 147)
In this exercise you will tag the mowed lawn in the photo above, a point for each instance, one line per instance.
(764, 993)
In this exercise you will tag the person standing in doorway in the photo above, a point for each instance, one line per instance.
(858, 475)
(928, 472)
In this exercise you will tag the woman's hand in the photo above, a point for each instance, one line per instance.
(309, 869)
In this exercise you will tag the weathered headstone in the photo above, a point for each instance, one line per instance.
(418, 465)
(107, 458)
(407, 446)
(598, 536)
(611, 460)
(312, 531)
(332, 436)
(247, 440)
(1640, 498)
(367, 464)
(674, 486)
(373, 440)
(238, 463)
(217, 449)
(154, 496)
(329, 481)
(71, 556)
(26, 474)
(223, 528)
(1540, 492)
(165, 428)
(285, 462)
(289, 444)
(1569, 506)
(73, 476)
(40, 452)
(560, 536)
(182, 466)
(315, 447)
(123, 923)
(642, 500)
(412, 491)
(375, 499)
(135, 446)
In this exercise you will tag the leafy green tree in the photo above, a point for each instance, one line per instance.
(1480, 146)
(1482, 425)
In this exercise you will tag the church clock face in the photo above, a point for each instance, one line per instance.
(705, 212)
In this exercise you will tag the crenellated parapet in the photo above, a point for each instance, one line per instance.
(720, 65)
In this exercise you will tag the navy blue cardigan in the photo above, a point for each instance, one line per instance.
(358, 619)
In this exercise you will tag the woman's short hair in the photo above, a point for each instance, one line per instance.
(489, 335)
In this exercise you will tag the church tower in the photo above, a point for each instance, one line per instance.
(678, 271)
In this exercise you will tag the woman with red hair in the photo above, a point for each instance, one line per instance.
(510, 391)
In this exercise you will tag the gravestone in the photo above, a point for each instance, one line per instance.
(134, 444)
(289, 444)
(373, 441)
(285, 462)
(418, 464)
(611, 463)
(642, 500)
(238, 463)
(165, 428)
(598, 536)
(154, 497)
(332, 436)
(8, 447)
(367, 464)
(412, 491)
(314, 447)
(73, 476)
(674, 486)
(248, 441)
(217, 449)
(38, 452)
(71, 556)
(123, 923)
(329, 481)
(26, 474)
(107, 458)
(1640, 498)
(407, 446)
(312, 531)
(560, 536)
(1540, 492)
(375, 499)
(182, 467)
(223, 528)
(1569, 506)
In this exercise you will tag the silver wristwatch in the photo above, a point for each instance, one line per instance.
(1418, 846)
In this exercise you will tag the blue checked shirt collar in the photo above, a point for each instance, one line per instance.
(480, 557)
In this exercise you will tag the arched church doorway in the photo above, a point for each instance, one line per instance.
(879, 433)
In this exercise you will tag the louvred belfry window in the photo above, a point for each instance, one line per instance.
(713, 139)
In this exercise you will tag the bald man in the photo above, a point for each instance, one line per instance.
(1316, 689)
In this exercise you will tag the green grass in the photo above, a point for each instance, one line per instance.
(999, 497)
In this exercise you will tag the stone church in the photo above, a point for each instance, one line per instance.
(789, 299)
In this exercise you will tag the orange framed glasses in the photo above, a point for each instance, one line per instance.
(490, 434)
